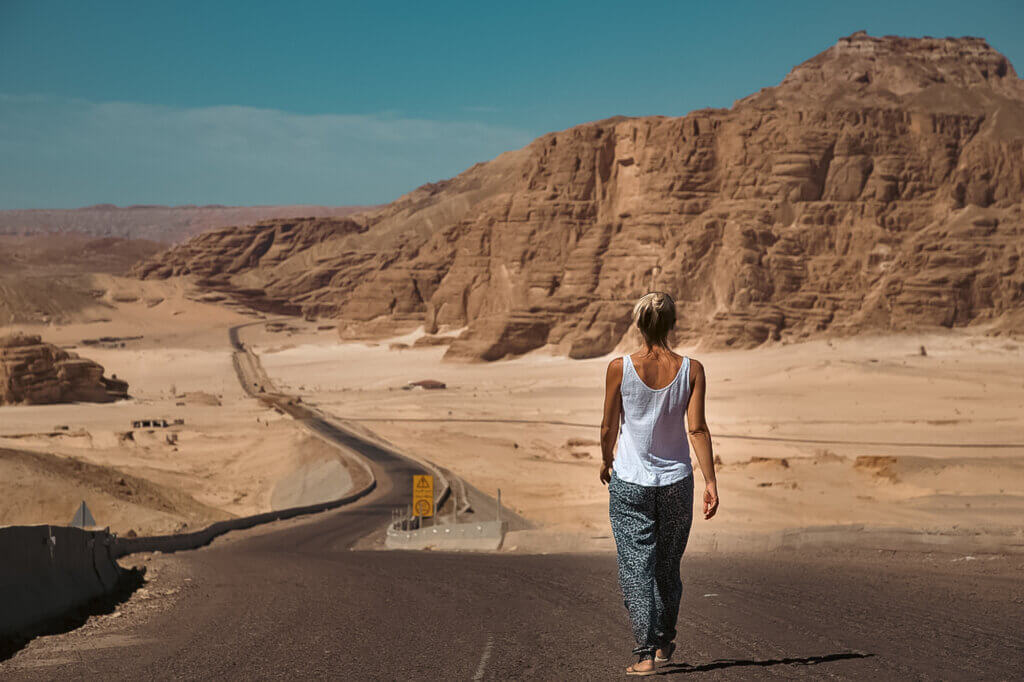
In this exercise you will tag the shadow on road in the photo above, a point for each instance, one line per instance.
(130, 580)
(681, 668)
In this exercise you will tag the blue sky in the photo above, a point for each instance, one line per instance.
(234, 102)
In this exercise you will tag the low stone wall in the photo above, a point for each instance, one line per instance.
(48, 571)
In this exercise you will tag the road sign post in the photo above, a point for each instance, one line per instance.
(423, 496)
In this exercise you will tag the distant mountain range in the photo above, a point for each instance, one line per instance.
(167, 224)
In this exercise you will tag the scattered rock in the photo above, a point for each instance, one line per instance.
(427, 384)
(428, 341)
(198, 398)
(110, 341)
(881, 465)
(780, 461)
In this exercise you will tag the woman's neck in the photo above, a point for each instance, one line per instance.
(656, 349)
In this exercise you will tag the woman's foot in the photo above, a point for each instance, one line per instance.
(664, 654)
(645, 666)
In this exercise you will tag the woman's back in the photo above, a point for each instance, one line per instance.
(656, 370)
(653, 449)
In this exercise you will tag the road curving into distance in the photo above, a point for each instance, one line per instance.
(296, 601)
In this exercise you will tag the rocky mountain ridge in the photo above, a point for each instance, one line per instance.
(167, 224)
(880, 186)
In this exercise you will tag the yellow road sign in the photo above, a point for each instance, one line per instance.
(423, 495)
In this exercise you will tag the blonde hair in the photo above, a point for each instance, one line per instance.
(654, 316)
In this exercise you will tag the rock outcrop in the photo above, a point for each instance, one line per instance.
(34, 373)
(880, 186)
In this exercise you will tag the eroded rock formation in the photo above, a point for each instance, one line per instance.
(33, 372)
(878, 187)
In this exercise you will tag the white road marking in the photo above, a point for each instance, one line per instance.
(711, 594)
(483, 659)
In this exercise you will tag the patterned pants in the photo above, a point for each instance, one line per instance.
(651, 526)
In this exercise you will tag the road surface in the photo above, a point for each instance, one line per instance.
(295, 601)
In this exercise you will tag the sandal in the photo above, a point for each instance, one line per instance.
(670, 648)
(641, 673)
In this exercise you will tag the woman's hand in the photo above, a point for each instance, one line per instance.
(606, 473)
(710, 499)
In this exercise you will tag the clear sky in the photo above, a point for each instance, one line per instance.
(334, 102)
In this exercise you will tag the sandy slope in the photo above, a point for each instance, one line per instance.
(230, 457)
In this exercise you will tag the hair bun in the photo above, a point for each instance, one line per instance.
(655, 316)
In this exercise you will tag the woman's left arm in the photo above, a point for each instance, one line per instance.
(700, 437)
(610, 421)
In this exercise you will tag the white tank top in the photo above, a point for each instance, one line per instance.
(653, 449)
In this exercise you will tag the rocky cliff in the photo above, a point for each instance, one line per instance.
(880, 186)
(33, 372)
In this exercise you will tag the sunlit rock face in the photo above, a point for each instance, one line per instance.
(878, 187)
(35, 373)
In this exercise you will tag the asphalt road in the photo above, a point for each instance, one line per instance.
(295, 601)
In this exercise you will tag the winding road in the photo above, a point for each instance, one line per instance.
(296, 600)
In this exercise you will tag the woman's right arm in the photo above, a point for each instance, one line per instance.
(610, 421)
(700, 438)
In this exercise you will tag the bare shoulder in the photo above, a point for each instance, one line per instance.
(696, 370)
(614, 375)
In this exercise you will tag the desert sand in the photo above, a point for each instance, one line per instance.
(859, 431)
(230, 457)
(865, 430)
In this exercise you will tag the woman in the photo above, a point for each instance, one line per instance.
(650, 479)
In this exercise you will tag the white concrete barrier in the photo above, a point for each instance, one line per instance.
(479, 536)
